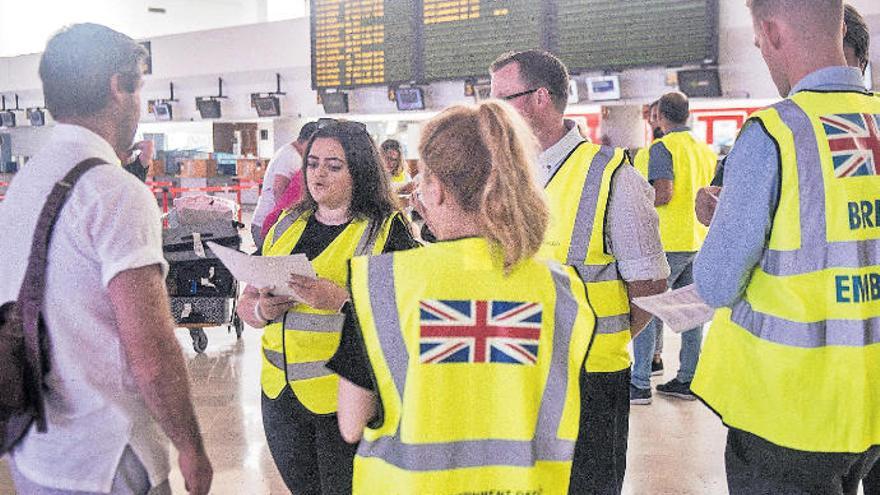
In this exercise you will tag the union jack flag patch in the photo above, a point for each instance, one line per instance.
(453, 331)
(854, 140)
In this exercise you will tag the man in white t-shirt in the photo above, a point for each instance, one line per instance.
(117, 387)
(283, 168)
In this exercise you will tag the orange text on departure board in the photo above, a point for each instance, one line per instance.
(349, 42)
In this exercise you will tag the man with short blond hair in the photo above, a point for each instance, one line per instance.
(790, 362)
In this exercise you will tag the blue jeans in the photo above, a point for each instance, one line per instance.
(680, 265)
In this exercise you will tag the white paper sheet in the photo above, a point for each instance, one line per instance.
(263, 271)
(680, 309)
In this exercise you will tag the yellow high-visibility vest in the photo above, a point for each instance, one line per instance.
(400, 178)
(477, 370)
(693, 165)
(797, 360)
(577, 196)
(296, 349)
(640, 161)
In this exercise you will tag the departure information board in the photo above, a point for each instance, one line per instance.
(462, 37)
(614, 34)
(361, 42)
(385, 42)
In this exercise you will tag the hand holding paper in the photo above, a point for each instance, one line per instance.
(680, 309)
(264, 271)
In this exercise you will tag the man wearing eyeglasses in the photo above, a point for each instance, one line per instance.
(604, 224)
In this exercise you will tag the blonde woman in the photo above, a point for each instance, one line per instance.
(392, 160)
(459, 369)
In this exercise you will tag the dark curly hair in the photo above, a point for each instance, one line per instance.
(371, 197)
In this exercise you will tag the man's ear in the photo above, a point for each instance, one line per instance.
(544, 97)
(772, 30)
(117, 90)
(441, 194)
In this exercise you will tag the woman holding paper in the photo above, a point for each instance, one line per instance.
(460, 370)
(347, 210)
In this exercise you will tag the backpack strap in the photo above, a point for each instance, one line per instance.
(33, 288)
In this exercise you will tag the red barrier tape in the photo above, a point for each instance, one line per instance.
(169, 193)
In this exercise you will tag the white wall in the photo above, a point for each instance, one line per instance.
(26, 25)
(247, 57)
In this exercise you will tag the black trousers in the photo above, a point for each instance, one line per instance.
(308, 449)
(599, 462)
(871, 483)
(758, 467)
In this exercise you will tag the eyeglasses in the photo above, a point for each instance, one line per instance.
(521, 93)
(354, 125)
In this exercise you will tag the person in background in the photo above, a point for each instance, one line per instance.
(117, 383)
(604, 224)
(347, 209)
(282, 184)
(678, 166)
(790, 363)
(392, 160)
(640, 162)
(139, 165)
(514, 429)
(856, 47)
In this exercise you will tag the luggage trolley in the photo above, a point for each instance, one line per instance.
(203, 292)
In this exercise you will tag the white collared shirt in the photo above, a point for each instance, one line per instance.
(632, 227)
(110, 223)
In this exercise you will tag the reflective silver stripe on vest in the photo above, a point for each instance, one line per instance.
(311, 322)
(275, 358)
(474, 453)
(367, 242)
(850, 333)
(304, 371)
(282, 225)
(297, 371)
(586, 214)
(816, 252)
(612, 324)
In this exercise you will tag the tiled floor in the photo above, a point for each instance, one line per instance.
(675, 447)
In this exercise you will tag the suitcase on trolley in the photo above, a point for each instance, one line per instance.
(200, 278)
(187, 242)
(202, 290)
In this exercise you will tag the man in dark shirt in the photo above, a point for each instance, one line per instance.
(139, 165)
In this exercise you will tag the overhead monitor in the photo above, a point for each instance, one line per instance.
(388, 42)
(409, 99)
(7, 119)
(335, 102)
(36, 117)
(603, 88)
(162, 111)
(700, 83)
(625, 34)
(362, 42)
(482, 92)
(209, 108)
(267, 106)
(462, 38)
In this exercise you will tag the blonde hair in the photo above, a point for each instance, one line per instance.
(485, 156)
